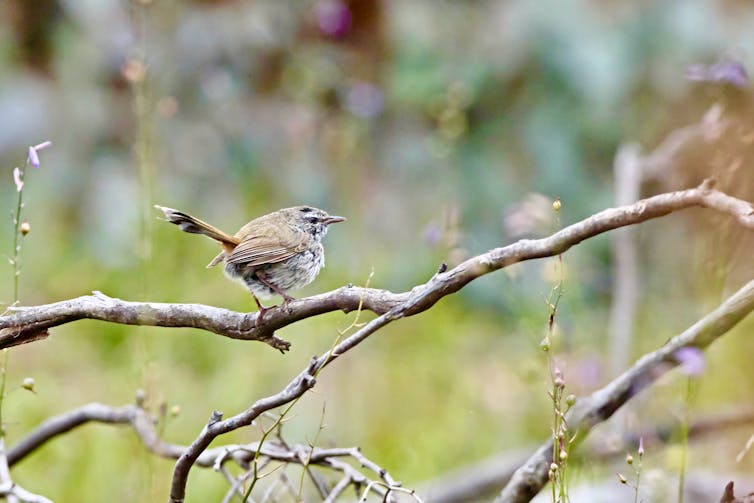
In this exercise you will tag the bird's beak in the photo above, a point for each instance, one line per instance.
(333, 219)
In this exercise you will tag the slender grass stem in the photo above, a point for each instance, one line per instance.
(16, 289)
(17, 244)
(685, 438)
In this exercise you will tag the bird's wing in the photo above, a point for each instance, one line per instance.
(265, 249)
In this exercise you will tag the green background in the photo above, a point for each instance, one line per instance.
(429, 125)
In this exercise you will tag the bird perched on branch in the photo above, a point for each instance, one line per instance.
(272, 254)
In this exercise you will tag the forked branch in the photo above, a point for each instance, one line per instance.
(30, 323)
(143, 423)
(424, 296)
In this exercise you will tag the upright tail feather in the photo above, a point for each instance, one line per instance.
(187, 223)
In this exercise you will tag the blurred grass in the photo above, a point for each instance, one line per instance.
(472, 118)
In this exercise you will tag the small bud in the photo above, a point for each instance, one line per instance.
(25, 227)
(28, 384)
(33, 157)
(622, 479)
(640, 452)
(141, 397)
(563, 455)
(556, 205)
(553, 467)
(571, 400)
(18, 179)
(175, 410)
(559, 380)
(629, 459)
(545, 344)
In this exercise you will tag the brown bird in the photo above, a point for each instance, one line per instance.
(272, 254)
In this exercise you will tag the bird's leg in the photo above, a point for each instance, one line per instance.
(262, 309)
(286, 298)
(262, 279)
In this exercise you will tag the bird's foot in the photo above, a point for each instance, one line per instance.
(287, 299)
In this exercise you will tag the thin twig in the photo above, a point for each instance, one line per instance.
(143, 424)
(341, 486)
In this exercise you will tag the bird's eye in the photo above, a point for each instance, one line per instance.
(312, 219)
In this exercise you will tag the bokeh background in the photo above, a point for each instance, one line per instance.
(440, 129)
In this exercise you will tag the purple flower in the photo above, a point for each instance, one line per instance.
(17, 179)
(333, 17)
(34, 156)
(727, 71)
(691, 360)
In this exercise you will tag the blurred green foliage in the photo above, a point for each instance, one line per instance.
(427, 123)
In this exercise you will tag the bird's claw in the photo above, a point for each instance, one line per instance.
(287, 299)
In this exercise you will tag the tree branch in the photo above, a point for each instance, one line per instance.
(529, 479)
(142, 422)
(441, 284)
(31, 323)
(477, 481)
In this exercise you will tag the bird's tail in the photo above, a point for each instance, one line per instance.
(187, 223)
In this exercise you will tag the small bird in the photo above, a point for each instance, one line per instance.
(272, 254)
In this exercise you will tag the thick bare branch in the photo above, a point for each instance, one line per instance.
(28, 323)
(529, 479)
(31, 323)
